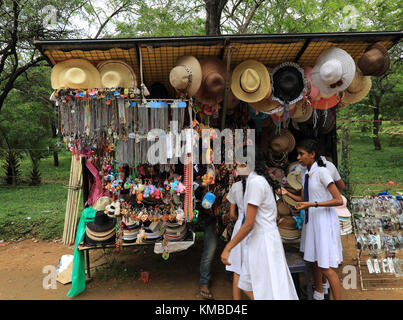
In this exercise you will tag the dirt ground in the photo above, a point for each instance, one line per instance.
(22, 263)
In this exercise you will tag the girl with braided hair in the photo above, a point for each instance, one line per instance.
(265, 274)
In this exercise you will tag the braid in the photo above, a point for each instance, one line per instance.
(262, 170)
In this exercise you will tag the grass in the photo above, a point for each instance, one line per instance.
(28, 211)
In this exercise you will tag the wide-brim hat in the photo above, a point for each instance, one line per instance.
(251, 81)
(303, 111)
(266, 105)
(342, 211)
(284, 141)
(279, 116)
(212, 86)
(186, 75)
(101, 222)
(333, 71)
(287, 222)
(101, 203)
(294, 179)
(287, 234)
(75, 74)
(233, 101)
(358, 89)
(375, 61)
(282, 208)
(99, 236)
(117, 74)
(288, 81)
(319, 100)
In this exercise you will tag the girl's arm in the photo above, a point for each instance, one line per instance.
(334, 202)
(232, 212)
(284, 191)
(241, 234)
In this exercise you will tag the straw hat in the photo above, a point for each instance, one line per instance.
(375, 60)
(333, 71)
(283, 142)
(186, 75)
(287, 222)
(212, 86)
(117, 74)
(358, 89)
(279, 116)
(101, 203)
(303, 111)
(75, 74)
(289, 200)
(287, 234)
(282, 208)
(265, 105)
(288, 83)
(251, 81)
(294, 179)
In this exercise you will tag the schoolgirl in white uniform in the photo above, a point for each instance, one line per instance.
(238, 254)
(265, 274)
(321, 243)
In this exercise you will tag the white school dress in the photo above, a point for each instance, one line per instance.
(237, 254)
(331, 168)
(265, 270)
(321, 240)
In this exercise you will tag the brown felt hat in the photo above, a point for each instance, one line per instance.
(294, 179)
(287, 222)
(212, 86)
(303, 111)
(288, 234)
(375, 61)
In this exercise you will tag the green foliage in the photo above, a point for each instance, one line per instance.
(11, 167)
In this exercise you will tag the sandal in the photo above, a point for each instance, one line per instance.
(206, 295)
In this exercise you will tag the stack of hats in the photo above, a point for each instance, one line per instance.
(176, 231)
(101, 230)
(131, 230)
(344, 218)
(152, 234)
(287, 225)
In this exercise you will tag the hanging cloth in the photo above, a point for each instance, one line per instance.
(78, 273)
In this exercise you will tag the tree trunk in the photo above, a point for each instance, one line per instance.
(376, 125)
(214, 10)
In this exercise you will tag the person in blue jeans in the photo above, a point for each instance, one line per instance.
(209, 249)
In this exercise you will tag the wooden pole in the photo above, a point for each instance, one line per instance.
(77, 202)
(66, 216)
(227, 80)
(71, 202)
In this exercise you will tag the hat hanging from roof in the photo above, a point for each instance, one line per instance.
(279, 116)
(212, 86)
(375, 61)
(283, 142)
(266, 105)
(251, 81)
(303, 111)
(333, 72)
(319, 99)
(75, 74)
(358, 89)
(288, 82)
(233, 101)
(117, 74)
(186, 76)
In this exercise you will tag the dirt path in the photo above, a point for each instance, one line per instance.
(21, 265)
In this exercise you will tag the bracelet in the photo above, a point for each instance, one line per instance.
(316, 204)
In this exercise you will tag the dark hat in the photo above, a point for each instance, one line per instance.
(375, 60)
(288, 83)
(101, 222)
(158, 91)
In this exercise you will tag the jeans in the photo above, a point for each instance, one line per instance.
(209, 247)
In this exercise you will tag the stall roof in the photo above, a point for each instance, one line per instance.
(158, 54)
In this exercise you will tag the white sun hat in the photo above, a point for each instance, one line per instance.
(334, 71)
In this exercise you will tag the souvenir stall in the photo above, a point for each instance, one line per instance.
(119, 99)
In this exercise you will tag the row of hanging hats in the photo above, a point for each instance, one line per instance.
(82, 74)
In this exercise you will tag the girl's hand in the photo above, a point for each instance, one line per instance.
(303, 205)
(282, 191)
(225, 256)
